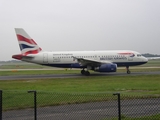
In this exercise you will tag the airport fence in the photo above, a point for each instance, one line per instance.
(40, 105)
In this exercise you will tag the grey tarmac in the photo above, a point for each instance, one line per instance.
(24, 77)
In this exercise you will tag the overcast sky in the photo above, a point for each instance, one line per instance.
(62, 25)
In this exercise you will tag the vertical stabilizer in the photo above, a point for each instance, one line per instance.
(26, 43)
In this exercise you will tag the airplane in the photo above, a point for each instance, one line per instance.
(98, 61)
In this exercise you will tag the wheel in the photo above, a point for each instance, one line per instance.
(128, 71)
(87, 73)
(82, 72)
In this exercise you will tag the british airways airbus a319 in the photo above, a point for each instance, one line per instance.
(99, 61)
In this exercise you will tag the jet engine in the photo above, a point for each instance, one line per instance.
(106, 68)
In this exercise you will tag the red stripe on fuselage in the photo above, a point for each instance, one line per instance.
(126, 53)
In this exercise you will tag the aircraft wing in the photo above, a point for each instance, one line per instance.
(91, 62)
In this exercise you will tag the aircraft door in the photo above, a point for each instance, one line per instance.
(45, 58)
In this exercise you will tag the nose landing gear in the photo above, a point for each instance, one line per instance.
(128, 71)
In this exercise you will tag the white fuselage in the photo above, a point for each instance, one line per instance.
(66, 59)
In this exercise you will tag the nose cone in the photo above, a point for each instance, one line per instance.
(145, 59)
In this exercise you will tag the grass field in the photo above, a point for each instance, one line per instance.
(130, 84)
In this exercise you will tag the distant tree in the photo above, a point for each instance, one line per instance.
(150, 55)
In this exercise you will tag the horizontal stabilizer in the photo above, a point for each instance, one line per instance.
(20, 57)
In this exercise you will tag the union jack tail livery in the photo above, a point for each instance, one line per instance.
(26, 43)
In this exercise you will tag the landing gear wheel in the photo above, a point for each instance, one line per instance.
(83, 72)
(128, 71)
(87, 73)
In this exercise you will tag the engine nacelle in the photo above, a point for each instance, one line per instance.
(106, 68)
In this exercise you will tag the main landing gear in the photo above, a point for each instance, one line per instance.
(128, 71)
(83, 72)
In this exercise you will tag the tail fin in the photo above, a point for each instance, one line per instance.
(26, 43)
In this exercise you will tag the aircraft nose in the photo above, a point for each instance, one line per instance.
(145, 59)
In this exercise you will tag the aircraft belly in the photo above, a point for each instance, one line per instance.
(121, 64)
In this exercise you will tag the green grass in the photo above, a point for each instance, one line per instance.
(22, 99)
(148, 83)
(76, 90)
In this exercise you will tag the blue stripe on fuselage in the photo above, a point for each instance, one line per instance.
(76, 65)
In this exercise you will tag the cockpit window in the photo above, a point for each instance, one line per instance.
(139, 55)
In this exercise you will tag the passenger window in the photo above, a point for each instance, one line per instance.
(139, 55)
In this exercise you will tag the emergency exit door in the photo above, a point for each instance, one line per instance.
(45, 58)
